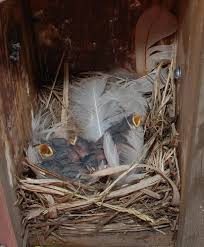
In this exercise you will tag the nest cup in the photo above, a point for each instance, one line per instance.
(57, 206)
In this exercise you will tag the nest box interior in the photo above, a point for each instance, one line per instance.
(95, 35)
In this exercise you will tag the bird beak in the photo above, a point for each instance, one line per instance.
(45, 151)
(73, 139)
(137, 119)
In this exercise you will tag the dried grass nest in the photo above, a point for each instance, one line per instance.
(59, 208)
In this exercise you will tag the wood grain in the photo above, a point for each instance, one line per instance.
(97, 35)
(191, 107)
(137, 239)
(17, 93)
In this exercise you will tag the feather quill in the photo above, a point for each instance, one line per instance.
(94, 112)
(110, 150)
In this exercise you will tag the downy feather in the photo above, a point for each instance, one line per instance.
(33, 155)
(132, 150)
(110, 150)
(43, 128)
(131, 101)
(129, 153)
(145, 84)
(94, 112)
(159, 53)
(39, 126)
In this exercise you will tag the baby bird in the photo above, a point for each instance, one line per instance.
(82, 147)
(95, 160)
(61, 158)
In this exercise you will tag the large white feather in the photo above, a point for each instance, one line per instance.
(94, 112)
(110, 150)
(132, 151)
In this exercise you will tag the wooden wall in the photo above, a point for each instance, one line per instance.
(17, 93)
(191, 107)
(96, 35)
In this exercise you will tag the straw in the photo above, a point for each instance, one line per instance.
(151, 202)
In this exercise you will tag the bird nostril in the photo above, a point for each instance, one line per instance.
(45, 150)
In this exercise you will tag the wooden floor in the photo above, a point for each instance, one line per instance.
(135, 239)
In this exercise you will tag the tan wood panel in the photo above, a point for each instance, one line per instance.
(191, 106)
(17, 94)
(134, 239)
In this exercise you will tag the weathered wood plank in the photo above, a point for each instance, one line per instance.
(191, 104)
(17, 94)
(7, 234)
(97, 35)
(137, 239)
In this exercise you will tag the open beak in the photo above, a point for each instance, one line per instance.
(45, 150)
(136, 119)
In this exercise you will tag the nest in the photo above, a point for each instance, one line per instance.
(57, 207)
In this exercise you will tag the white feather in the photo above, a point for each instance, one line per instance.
(159, 53)
(110, 150)
(33, 155)
(94, 112)
(43, 128)
(128, 99)
(145, 84)
(40, 124)
(132, 151)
